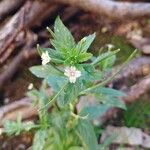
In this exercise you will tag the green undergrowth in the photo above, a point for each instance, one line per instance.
(138, 114)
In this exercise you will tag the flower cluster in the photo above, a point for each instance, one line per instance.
(71, 72)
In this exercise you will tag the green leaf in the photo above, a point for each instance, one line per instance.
(108, 141)
(12, 127)
(56, 82)
(103, 83)
(89, 73)
(85, 43)
(108, 62)
(33, 94)
(109, 97)
(54, 141)
(69, 94)
(107, 92)
(138, 114)
(92, 112)
(114, 102)
(104, 56)
(27, 126)
(55, 56)
(72, 91)
(84, 57)
(16, 127)
(63, 40)
(44, 71)
(76, 148)
(87, 135)
(39, 140)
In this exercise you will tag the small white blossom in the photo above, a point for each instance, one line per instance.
(1, 131)
(110, 46)
(30, 87)
(72, 73)
(45, 58)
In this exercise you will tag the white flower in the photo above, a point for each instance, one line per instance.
(110, 46)
(45, 58)
(30, 87)
(72, 73)
(1, 131)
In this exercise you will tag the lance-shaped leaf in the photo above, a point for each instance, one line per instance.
(104, 56)
(45, 71)
(107, 92)
(92, 112)
(87, 135)
(63, 39)
(85, 43)
(39, 140)
(69, 94)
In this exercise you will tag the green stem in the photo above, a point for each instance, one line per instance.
(103, 57)
(57, 68)
(53, 99)
(111, 78)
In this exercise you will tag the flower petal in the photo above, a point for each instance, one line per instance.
(72, 79)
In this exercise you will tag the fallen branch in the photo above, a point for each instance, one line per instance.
(25, 18)
(12, 29)
(135, 92)
(143, 44)
(25, 54)
(113, 9)
(137, 67)
(7, 6)
(22, 107)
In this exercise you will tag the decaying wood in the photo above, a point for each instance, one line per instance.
(22, 107)
(137, 67)
(25, 18)
(137, 90)
(26, 53)
(7, 6)
(113, 9)
(143, 44)
(10, 31)
(69, 13)
(16, 62)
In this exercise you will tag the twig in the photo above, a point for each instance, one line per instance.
(11, 111)
(113, 9)
(12, 29)
(21, 20)
(137, 67)
(135, 92)
(7, 6)
(25, 54)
